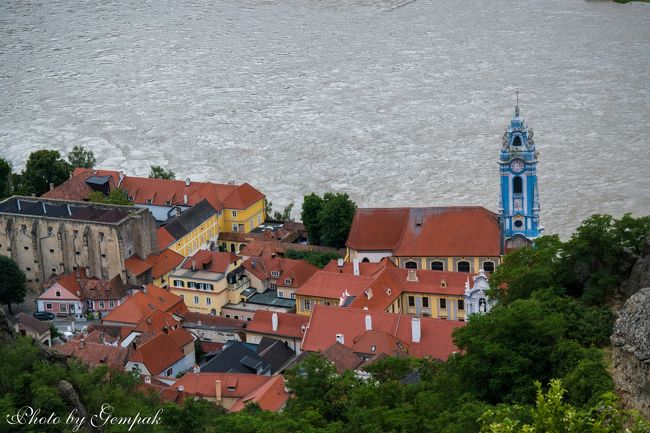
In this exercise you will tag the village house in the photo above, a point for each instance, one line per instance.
(369, 333)
(208, 280)
(213, 329)
(142, 304)
(78, 294)
(96, 349)
(167, 354)
(27, 326)
(233, 391)
(190, 231)
(458, 239)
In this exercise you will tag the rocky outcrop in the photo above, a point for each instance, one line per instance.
(639, 275)
(6, 331)
(631, 352)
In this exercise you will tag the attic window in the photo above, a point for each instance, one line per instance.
(168, 202)
(287, 281)
(443, 283)
(149, 201)
(373, 348)
(58, 293)
(275, 274)
(130, 198)
(418, 221)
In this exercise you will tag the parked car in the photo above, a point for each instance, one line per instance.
(66, 336)
(43, 315)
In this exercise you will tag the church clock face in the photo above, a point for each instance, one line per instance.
(517, 165)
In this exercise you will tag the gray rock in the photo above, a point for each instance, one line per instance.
(631, 352)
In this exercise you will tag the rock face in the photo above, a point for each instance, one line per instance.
(639, 275)
(631, 352)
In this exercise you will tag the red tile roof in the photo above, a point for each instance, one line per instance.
(162, 351)
(342, 357)
(192, 319)
(142, 304)
(161, 191)
(326, 322)
(164, 262)
(427, 232)
(267, 391)
(213, 261)
(84, 287)
(332, 285)
(136, 266)
(95, 354)
(298, 271)
(165, 239)
(289, 325)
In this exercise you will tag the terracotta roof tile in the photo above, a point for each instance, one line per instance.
(95, 354)
(213, 261)
(164, 238)
(162, 351)
(136, 266)
(289, 325)
(164, 262)
(342, 357)
(427, 232)
(142, 304)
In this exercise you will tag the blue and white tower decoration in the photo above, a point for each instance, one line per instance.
(519, 201)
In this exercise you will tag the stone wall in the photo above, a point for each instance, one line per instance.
(631, 352)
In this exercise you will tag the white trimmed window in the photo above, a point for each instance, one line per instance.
(196, 299)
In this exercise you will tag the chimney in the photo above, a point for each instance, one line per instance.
(184, 198)
(340, 338)
(147, 379)
(340, 263)
(166, 329)
(181, 388)
(144, 288)
(196, 369)
(198, 323)
(193, 264)
(82, 343)
(217, 394)
(51, 186)
(187, 182)
(274, 321)
(101, 337)
(368, 322)
(412, 275)
(415, 329)
(121, 178)
(355, 265)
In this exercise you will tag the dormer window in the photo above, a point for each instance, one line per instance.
(149, 201)
(275, 274)
(58, 294)
(287, 281)
(443, 283)
(168, 202)
(516, 141)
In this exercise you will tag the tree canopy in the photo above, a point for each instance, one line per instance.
(12, 283)
(43, 167)
(80, 157)
(5, 178)
(158, 172)
(328, 219)
(117, 196)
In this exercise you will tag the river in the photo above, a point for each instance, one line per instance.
(396, 103)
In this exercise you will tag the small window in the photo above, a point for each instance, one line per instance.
(149, 201)
(488, 266)
(169, 372)
(273, 286)
(48, 306)
(28, 269)
(249, 319)
(443, 303)
(196, 299)
(179, 283)
(463, 266)
(228, 316)
(425, 302)
(77, 252)
(411, 301)
(293, 296)
(411, 265)
(275, 274)
(111, 304)
(58, 294)
(101, 304)
(235, 228)
(63, 307)
(26, 248)
(237, 317)
(208, 301)
(461, 304)
(51, 250)
(519, 223)
(287, 281)
(517, 185)
(234, 214)
(280, 294)
(437, 266)
(516, 141)
(307, 304)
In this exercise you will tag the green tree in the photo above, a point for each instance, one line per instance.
(335, 219)
(80, 157)
(157, 172)
(117, 196)
(5, 178)
(12, 283)
(43, 167)
(285, 215)
(319, 259)
(311, 207)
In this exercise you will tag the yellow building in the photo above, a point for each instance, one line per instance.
(209, 280)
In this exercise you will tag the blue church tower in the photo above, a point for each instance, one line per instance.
(519, 201)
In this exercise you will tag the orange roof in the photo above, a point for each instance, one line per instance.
(298, 272)
(136, 266)
(332, 285)
(427, 232)
(165, 239)
(95, 354)
(242, 197)
(213, 261)
(386, 331)
(342, 357)
(289, 325)
(76, 187)
(164, 262)
(162, 351)
(267, 391)
(142, 304)
(365, 269)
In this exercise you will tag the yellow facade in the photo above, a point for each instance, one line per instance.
(432, 306)
(193, 241)
(203, 295)
(450, 263)
(243, 220)
(312, 300)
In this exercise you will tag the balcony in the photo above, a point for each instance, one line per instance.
(241, 284)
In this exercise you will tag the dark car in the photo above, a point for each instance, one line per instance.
(43, 315)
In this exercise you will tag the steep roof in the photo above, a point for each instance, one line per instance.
(387, 330)
(213, 261)
(143, 303)
(162, 351)
(28, 323)
(236, 357)
(190, 219)
(342, 357)
(427, 232)
(332, 285)
(267, 391)
(161, 192)
(289, 325)
(164, 262)
(95, 354)
(79, 286)
(136, 266)
(297, 271)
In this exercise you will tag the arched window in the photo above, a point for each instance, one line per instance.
(517, 185)
(213, 312)
(365, 260)
(463, 266)
(488, 266)
(411, 265)
(437, 266)
(232, 248)
(516, 141)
